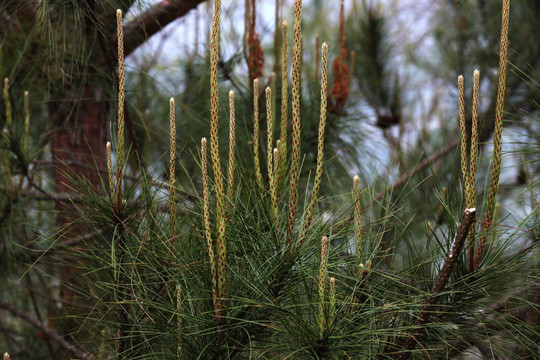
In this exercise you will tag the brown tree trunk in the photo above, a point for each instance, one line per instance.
(79, 152)
(78, 146)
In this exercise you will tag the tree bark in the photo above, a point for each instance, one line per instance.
(153, 20)
(78, 147)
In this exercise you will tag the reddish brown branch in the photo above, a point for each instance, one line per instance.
(439, 285)
(153, 20)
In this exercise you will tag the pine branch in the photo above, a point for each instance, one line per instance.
(153, 20)
(415, 170)
(49, 332)
(440, 283)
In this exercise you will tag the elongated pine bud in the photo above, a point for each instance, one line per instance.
(256, 162)
(222, 265)
(462, 132)
(497, 135)
(214, 103)
(269, 133)
(322, 278)
(206, 216)
(274, 189)
(276, 162)
(216, 166)
(284, 104)
(340, 90)
(255, 53)
(471, 198)
(320, 143)
(121, 98)
(295, 152)
(232, 145)
(278, 168)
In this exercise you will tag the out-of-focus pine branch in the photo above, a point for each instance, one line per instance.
(153, 20)
(50, 333)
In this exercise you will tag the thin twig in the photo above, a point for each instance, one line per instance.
(415, 170)
(38, 314)
(58, 300)
(51, 334)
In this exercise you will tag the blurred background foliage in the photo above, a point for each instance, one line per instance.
(392, 120)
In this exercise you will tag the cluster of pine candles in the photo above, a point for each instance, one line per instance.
(276, 167)
(276, 160)
(338, 301)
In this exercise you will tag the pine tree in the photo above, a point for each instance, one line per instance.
(252, 237)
